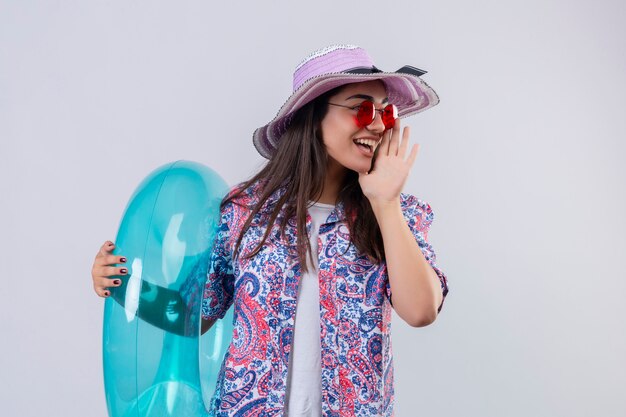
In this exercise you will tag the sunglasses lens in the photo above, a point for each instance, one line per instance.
(390, 114)
(365, 115)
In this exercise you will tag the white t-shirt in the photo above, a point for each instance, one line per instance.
(303, 397)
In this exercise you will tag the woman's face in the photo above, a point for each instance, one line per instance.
(341, 133)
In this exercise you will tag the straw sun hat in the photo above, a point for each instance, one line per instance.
(337, 65)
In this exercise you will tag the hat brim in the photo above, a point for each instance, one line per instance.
(409, 93)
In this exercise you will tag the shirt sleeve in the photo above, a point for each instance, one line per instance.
(419, 216)
(219, 287)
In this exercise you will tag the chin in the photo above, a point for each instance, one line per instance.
(361, 166)
(356, 164)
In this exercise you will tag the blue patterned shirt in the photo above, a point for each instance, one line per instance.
(355, 312)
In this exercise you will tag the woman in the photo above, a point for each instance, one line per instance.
(313, 314)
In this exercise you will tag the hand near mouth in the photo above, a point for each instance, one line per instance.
(383, 184)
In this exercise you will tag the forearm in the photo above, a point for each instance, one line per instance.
(161, 307)
(415, 286)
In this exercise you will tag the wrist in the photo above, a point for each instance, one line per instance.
(384, 208)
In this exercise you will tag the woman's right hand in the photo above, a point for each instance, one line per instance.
(103, 268)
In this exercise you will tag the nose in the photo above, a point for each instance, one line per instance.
(377, 125)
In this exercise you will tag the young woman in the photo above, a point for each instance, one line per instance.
(318, 247)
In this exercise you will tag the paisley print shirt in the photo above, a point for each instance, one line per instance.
(355, 312)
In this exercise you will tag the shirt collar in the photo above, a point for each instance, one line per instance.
(338, 214)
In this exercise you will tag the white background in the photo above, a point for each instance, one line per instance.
(522, 162)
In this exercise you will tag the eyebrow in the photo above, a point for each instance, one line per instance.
(366, 97)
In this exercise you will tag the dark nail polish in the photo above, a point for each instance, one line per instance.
(122, 259)
(106, 294)
(123, 270)
(116, 281)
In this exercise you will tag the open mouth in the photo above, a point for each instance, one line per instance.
(367, 145)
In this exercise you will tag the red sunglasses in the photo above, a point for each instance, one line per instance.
(366, 112)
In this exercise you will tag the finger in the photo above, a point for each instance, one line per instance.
(106, 248)
(110, 260)
(111, 271)
(104, 272)
(383, 146)
(413, 154)
(101, 289)
(394, 141)
(103, 285)
(104, 293)
(374, 161)
(406, 132)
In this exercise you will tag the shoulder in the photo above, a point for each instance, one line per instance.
(234, 210)
(241, 197)
(246, 197)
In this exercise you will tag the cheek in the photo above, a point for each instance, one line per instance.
(336, 132)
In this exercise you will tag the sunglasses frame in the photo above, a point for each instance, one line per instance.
(366, 113)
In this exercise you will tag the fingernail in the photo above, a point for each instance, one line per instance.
(116, 281)
(106, 293)
(123, 270)
(122, 259)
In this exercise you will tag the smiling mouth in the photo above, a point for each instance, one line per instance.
(367, 144)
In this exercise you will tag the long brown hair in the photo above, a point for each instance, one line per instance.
(299, 165)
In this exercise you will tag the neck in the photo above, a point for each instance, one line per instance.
(332, 184)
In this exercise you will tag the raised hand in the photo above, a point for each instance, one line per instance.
(383, 184)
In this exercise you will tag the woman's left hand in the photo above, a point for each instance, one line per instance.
(383, 184)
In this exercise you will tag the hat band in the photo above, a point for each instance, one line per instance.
(407, 69)
(363, 70)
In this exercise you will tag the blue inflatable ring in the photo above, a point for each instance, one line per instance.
(155, 362)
